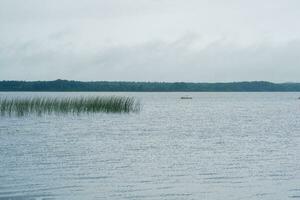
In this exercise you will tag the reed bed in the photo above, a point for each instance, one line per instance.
(75, 105)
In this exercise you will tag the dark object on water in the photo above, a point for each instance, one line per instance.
(186, 97)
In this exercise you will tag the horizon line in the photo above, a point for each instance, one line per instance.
(133, 81)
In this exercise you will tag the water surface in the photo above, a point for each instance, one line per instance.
(223, 146)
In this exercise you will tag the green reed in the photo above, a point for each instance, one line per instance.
(75, 105)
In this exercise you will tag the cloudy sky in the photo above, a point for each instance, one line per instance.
(150, 40)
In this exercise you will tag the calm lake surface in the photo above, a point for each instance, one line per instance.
(224, 146)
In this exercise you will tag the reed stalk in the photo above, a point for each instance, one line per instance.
(76, 105)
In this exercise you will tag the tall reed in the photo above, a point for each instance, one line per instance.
(76, 105)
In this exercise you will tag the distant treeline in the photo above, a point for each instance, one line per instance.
(65, 85)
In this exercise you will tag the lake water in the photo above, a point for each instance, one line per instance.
(216, 146)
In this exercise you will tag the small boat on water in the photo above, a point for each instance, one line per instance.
(186, 97)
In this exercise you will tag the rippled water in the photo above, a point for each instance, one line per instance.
(215, 146)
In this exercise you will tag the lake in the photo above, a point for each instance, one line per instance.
(216, 146)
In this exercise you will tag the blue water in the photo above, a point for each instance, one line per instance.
(215, 146)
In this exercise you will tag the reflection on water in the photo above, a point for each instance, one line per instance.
(214, 146)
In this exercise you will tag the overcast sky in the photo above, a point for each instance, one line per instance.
(150, 40)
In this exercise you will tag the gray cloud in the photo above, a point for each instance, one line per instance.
(154, 61)
(155, 40)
